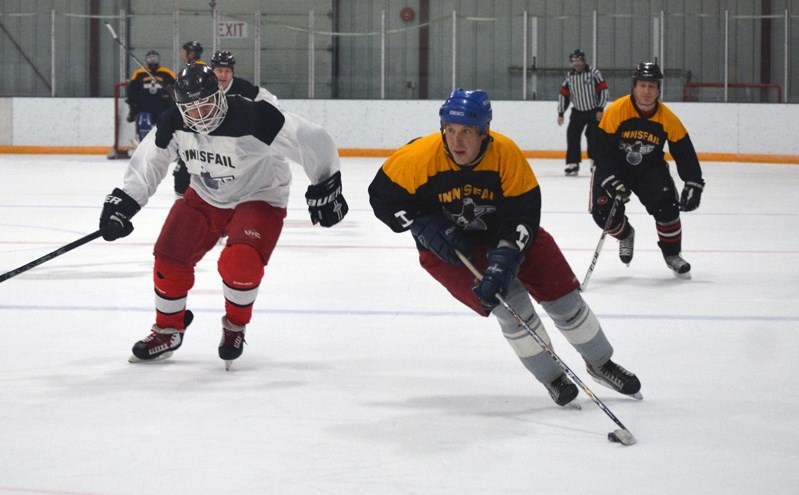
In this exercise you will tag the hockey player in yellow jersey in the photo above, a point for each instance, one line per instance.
(633, 133)
(469, 189)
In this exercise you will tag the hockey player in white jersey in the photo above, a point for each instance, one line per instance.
(238, 153)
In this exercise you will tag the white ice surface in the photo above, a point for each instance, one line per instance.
(362, 376)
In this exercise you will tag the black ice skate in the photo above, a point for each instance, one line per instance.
(562, 390)
(161, 342)
(617, 378)
(572, 169)
(232, 344)
(626, 247)
(680, 267)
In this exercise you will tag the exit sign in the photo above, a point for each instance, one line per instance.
(231, 29)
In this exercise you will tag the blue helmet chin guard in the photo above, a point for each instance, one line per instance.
(467, 108)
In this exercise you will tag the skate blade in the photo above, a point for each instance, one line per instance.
(636, 396)
(683, 276)
(228, 364)
(573, 405)
(160, 357)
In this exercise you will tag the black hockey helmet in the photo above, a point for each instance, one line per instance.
(194, 82)
(153, 59)
(223, 59)
(577, 54)
(648, 71)
(198, 97)
(193, 47)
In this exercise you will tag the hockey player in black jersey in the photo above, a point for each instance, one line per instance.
(237, 152)
(149, 93)
(224, 63)
(470, 189)
(630, 159)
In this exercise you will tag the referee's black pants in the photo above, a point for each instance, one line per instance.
(579, 121)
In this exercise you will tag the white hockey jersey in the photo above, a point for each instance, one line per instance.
(245, 159)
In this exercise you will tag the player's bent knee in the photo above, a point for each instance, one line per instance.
(172, 279)
(241, 266)
(666, 211)
(573, 317)
(600, 218)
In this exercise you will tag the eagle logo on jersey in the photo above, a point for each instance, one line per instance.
(636, 151)
(153, 86)
(469, 216)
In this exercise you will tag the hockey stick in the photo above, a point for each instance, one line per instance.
(58, 252)
(623, 435)
(129, 52)
(598, 249)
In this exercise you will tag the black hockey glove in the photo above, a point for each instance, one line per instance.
(503, 265)
(131, 116)
(438, 234)
(326, 204)
(616, 188)
(118, 209)
(691, 195)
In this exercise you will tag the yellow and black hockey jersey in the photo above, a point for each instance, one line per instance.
(489, 201)
(628, 143)
(147, 95)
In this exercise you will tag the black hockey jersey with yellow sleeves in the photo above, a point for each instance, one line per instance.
(628, 141)
(488, 201)
(146, 94)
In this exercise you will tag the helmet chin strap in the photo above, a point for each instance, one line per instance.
(474, 162)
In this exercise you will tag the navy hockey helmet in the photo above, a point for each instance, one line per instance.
(153, 59)
(468, 108)
(648, 71)
(223, 59)
(577, 55)
(193, 47)
(201, 103)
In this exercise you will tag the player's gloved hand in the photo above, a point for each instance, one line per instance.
(326, 204)
(437, 233)
(503, 265)
(131, 116)
(691, 195)
(118, 209)
(616, 188)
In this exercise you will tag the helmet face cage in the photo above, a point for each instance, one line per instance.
(201, 103)
(223, 59)
(467, 108)
(153, 59)
(206, 114)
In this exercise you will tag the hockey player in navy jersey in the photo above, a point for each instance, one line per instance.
(237, 152)
(470, 189)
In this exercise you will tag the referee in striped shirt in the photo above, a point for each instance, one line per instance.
(587, 91)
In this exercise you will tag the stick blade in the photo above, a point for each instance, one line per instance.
(623, 437)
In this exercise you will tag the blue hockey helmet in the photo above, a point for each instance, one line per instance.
(468, 108)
